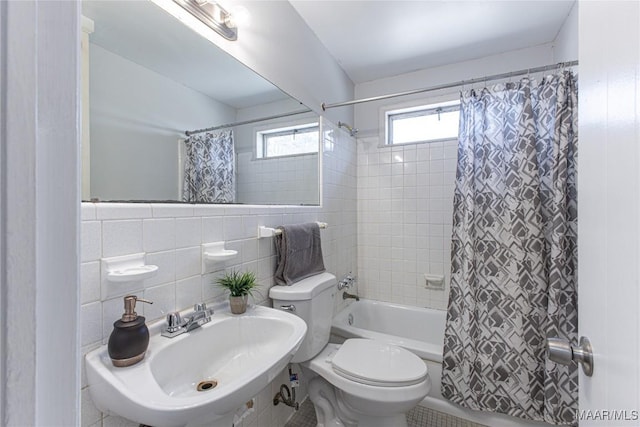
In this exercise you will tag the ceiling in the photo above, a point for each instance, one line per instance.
(376, 39)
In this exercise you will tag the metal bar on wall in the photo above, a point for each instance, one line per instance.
(456, 84)
(246, 122)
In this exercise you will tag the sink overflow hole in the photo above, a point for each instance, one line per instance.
(206, 385)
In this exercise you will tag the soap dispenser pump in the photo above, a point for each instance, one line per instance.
(130, 337)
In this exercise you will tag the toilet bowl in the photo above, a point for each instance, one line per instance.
(374, 384)
(361, 382)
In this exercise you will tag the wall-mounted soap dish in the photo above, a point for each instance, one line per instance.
(220, 256)
(133, 273)
(216, 253)
(125, 274)
(434, 281)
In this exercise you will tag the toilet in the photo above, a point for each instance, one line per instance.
(361, 382)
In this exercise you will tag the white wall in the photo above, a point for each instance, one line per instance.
(137, 117)
(39, 219)
(565, 46)
(405, 193)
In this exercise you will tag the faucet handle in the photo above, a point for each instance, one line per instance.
(346, 282)
(203, 308)
(174, 321)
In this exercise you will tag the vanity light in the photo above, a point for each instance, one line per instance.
(238, 17)
(212, 15)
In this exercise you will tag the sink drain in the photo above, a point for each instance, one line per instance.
(206, 385)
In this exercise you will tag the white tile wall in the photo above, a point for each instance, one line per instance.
(158, 234)
(405, 209)
(121, 237)
(171, 236)
(269, 180)
(91, 241)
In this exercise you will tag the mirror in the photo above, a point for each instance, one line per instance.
(150, 79)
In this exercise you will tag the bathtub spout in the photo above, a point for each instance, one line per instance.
(347, 295)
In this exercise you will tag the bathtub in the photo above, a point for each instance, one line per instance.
(421, 331)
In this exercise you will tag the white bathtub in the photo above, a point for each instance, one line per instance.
(420, 330)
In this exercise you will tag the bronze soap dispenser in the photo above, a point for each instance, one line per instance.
(130, 337)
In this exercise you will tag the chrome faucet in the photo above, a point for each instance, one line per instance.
(347, 282)
(176, 325)
(201, 315)
(347, 295)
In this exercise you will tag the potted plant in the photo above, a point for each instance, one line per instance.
(240, 286)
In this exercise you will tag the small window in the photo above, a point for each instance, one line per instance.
(427, 123)
(290, 141)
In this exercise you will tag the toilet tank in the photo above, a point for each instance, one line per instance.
(313, 301)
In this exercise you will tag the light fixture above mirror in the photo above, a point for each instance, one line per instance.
(213, 15)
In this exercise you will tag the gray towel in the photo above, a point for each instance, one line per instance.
(299, 253)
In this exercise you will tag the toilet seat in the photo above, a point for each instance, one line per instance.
(365, 399)
(375, 363)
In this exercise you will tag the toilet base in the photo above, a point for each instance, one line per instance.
(328, 410)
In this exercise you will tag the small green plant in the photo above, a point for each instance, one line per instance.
(239, 284)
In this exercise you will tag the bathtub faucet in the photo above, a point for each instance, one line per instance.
(347, 295)
(346, 282)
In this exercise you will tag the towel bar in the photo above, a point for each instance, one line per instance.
(270, 232)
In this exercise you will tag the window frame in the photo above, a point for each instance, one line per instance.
(416, 111)
(262, 134)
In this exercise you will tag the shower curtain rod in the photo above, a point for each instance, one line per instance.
(452, 85)
(246, 122)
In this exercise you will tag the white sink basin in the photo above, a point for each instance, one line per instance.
(242, 353)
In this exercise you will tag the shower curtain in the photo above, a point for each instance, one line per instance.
(209, 172)
(514, 251)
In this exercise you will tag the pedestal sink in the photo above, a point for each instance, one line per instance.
(230, 359)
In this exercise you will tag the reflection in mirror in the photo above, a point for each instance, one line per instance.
(152, 82)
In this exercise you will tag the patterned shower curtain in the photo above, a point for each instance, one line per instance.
(514, 251)
(209, 172)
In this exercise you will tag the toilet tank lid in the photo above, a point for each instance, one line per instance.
(305, 289)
